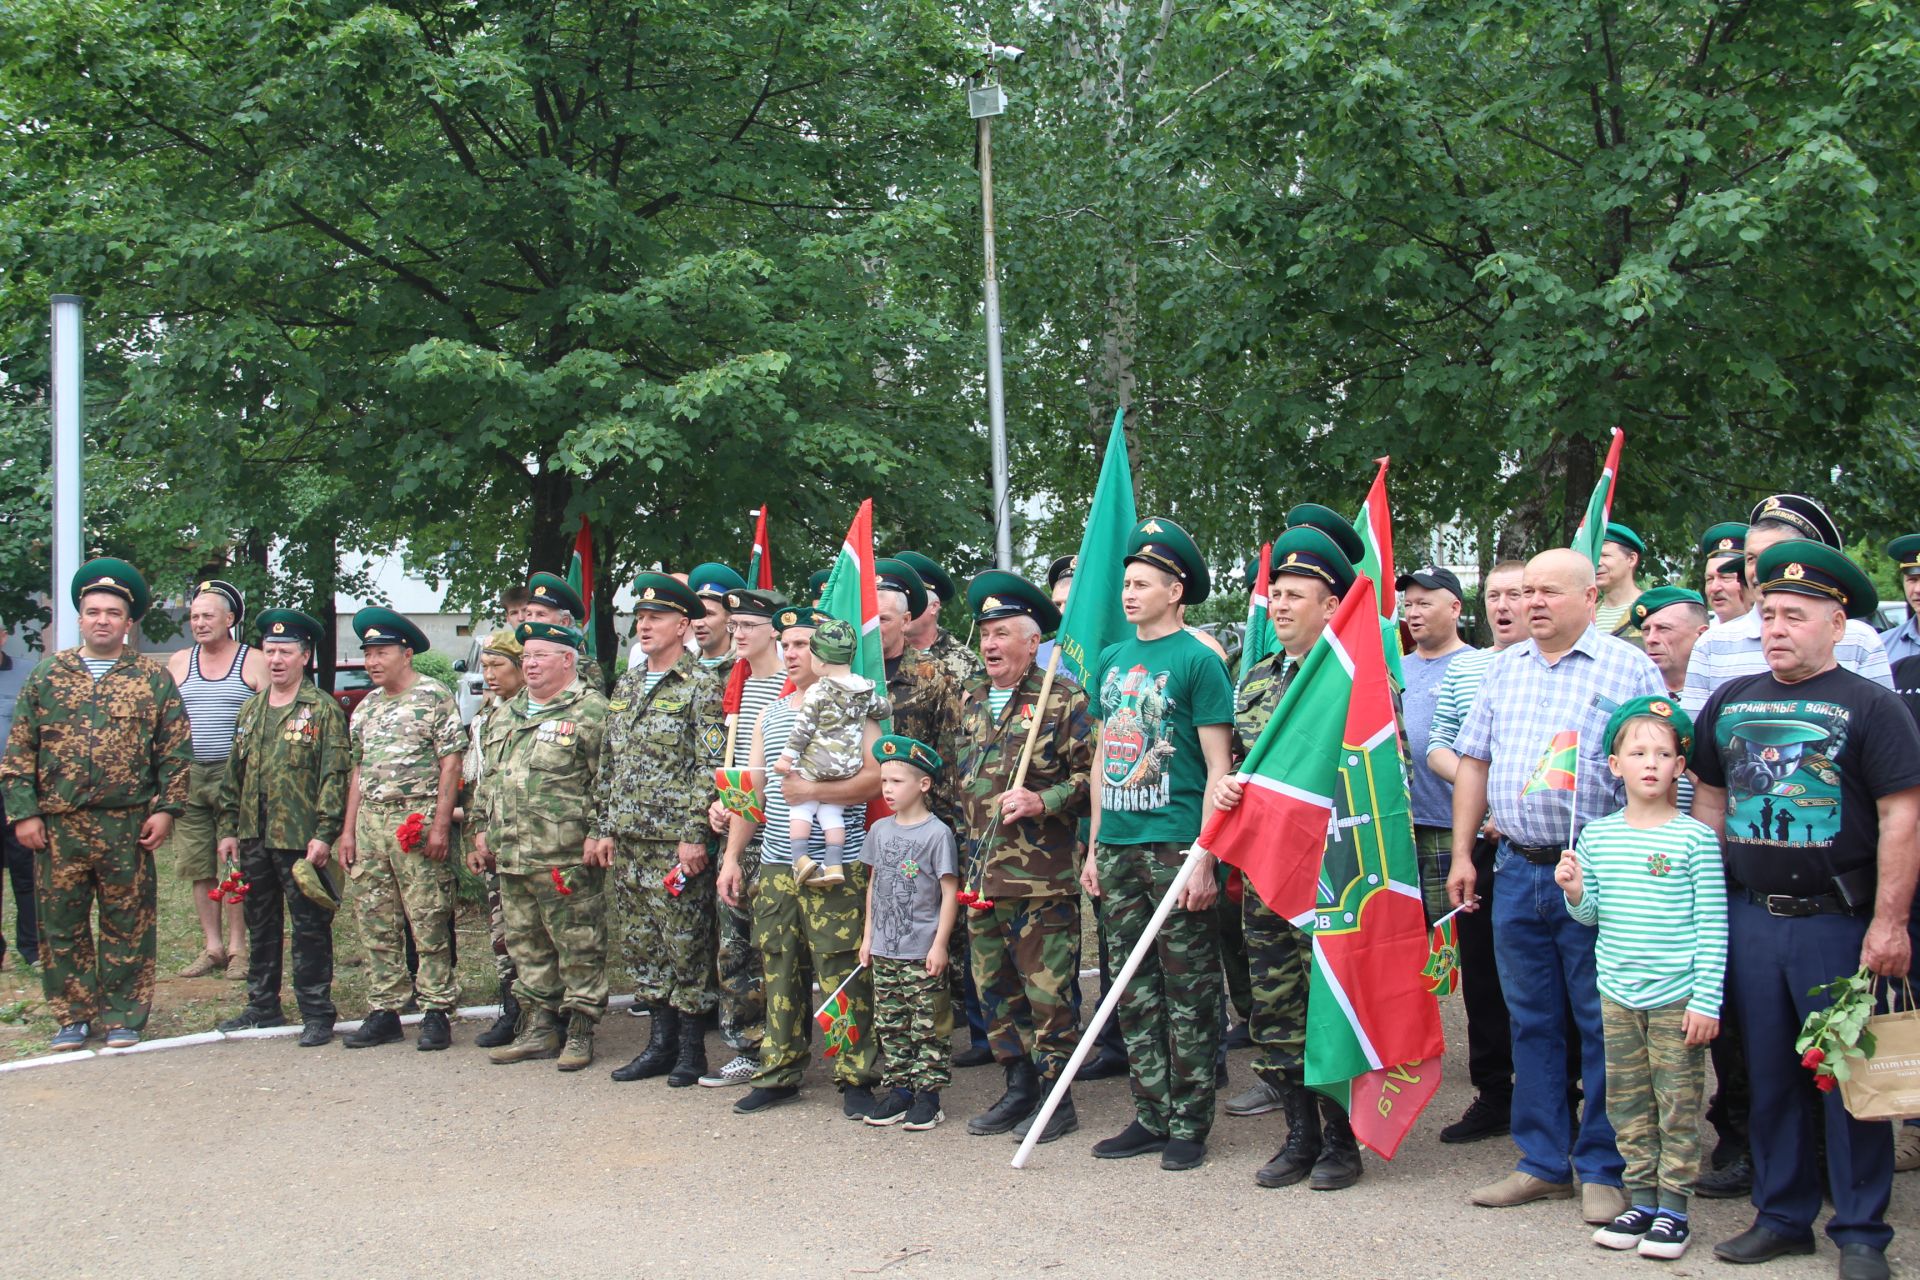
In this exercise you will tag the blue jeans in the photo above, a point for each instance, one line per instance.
(1545, 958)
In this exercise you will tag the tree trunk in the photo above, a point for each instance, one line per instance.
(549, 536)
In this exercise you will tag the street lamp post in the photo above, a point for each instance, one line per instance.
(67, 377)
(983, 104)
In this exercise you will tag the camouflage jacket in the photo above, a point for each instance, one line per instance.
(1034, 857)
(286, 781)
(590, 673)
(534, 800)
(926, 705)
(119, 742)
(1258, 695)
(960, 662)
(656, 769)
(398, 743)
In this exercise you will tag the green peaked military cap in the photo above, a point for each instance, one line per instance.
(1651, 704)
(999, 594)
(1906, 553)
(1163, 544)
(937, 580)
(1728, 538)
(377, 626)
(1798, 512)
(289, 626)
(1805, 567)
(1308, 551)
(1652, 602)
(661, 593)
(911, 751)
(897, 575)
(551, 590)
(817, 582)
(558, 633)
(115, 578)
(1334, 525)
(713, 580)
(1617, 532)
(796, 615)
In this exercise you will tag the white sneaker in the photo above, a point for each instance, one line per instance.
(738, 1071)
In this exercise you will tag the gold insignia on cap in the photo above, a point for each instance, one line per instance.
(374, 633)
(540, 590)
(891, 748)
(1640, 611)
(788, 618)
(1661, 708)
(1795, 571)
(1074, 563)
(205, 586)
(1293, 557)
(1771, 504)
(991, 602)
(103, 582)
(1726, 544)
(647, 594)
(1152, 526)
(279, 627)
(733, 600)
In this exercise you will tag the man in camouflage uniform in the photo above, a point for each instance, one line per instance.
(1310, 575)
(924, 631)
(1020, 849)
(407, 744)
(282, 800)
(532, 820)
(500, 667)
(95, 772)
(550, 599)
(664, 740)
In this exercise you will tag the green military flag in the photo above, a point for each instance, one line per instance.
(1093, 618)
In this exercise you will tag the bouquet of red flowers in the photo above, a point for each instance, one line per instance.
(1832, 1035)
(231, 889)
(562, 883)
(412, 833)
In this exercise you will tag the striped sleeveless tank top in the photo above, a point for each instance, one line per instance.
(213, 706)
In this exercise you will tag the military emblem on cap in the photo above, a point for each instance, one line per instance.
(279, 628)
(1062, 567)
(647, 594)
(1795, 571)
(1660, 708)
(556, 632)
(1163, 544)
(553, 591)
(1802, 566)
(798, 615)
(1800, 513)
(788, 617)
(999, 594)
(894, 746)
(1905, 551)
(1640, 613)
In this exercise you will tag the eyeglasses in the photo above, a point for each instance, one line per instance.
(735, 628)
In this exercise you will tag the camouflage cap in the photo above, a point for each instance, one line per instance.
(315, 885)
(833, 640)
(503, 643)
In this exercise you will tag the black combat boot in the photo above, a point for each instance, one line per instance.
(691, 1063)
(1339, 1164)
(501, 1032)
(382, 1026)
(663, 1046)
(1062, 1122)
(435, 1033)
(1295, 1160)
(1015, 1105)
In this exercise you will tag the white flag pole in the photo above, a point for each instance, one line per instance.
(1108, 1000)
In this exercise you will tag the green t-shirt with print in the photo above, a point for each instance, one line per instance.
(1154, 696)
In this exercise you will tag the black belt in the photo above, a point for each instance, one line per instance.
(1789, 907)
(1540, 855)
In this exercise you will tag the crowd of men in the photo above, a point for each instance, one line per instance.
(612, 860)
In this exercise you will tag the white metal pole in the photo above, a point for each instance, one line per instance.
(68, 371)
(996, 389)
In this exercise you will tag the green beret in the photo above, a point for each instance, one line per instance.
(908, 751)
(1906, 553)
(817, 582)
(1728, 538)
(898, 575)
(936, 579)
(803, 616)
(1062, 567)
(1334, 525)
(558, 633)
(1800, 513)
(712, 581)
(236, 602)
(377, 626)
(551, 590)
(1804, 567)
(115, 578)
(1626, 537)
(289, 626)
(1308, 551)
(999, 594)
(1652, 602)
(1163, 544)
(1659, 706)
(750, 603)
(659, 593)
(834, 640)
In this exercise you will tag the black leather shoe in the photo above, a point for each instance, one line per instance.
(762, 1097)
(249, 1018)
(1339, 1164)
(1104, 1067)
(974, 1055)
(1863, 1262)
(1734, 1182)
(1183, 1153)
(382, 1026)
(434, 1031)
(663, 1047)
(1016, 1104)
(315, 1032)
(1134, 1140)
(857, 1101)
(1484, 1118)
(1062, 1122)
(1757, 1244)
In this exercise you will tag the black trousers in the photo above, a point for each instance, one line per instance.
(1489, 1036)
(16, 860)
(271, 896)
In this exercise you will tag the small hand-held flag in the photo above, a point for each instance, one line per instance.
(1592, 532)
(835, 1016)
(1559, 767)
(1442, 970)
(739, 793)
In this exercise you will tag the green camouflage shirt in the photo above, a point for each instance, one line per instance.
(534, 801)
(656, 769)
(1034, 857)
(1259, 694)
(962, 664)
(926, 706)
(398, 743)
(286, 781)
(119, 742)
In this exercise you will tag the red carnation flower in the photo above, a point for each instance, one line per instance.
(560, 884)
(411, 833)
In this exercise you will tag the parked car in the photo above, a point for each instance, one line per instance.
(1891, 614)
(351, 685)
(470, 686)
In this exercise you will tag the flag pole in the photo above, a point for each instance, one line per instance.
(1573, 797)
(837, 990)
(1109, 999)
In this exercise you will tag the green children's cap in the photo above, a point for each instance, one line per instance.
(908, 751)
(1658, 707)
(553, 631)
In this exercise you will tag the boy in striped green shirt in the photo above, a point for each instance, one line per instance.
(1650, 877)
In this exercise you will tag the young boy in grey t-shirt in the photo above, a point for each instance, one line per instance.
(911, 902)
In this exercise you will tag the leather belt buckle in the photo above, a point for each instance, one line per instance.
(1790, 907)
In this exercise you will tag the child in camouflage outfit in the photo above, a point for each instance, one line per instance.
(825, 747)
(911, 904)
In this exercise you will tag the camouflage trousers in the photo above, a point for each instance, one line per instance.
(1170, 1012)
(909, 1010)
(497, 931)
(1656, 1084)
(743, 985)
(1434, 848)
(270, 884)
(391, 890)
(558, 941)
(666, 941)
(1279, 963)
(1026, 952)
(95, 854)
(821, 929)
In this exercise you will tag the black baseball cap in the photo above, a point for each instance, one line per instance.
(1434, 578)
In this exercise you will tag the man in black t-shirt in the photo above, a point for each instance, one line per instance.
(1811, 775)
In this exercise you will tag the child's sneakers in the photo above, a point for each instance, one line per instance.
(925, 1111)
(1666, 1238)
(893, 1108)
(1629, 1229)
(827, 877)
(804, 870)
